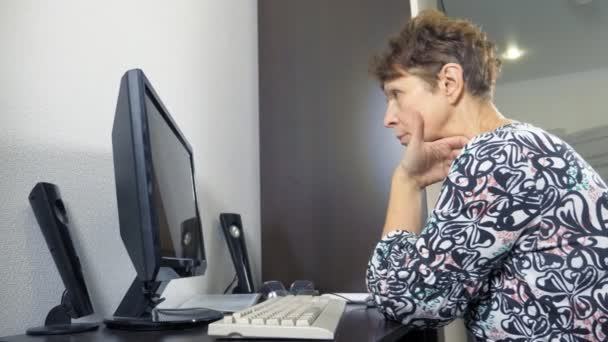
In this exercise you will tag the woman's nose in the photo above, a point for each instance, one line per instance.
(390, 119)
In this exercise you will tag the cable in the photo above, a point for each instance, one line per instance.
(181, 311)
(350, 301)
(64, 297)
(231, 283)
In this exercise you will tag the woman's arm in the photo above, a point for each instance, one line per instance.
(404, 205)
(424, 163)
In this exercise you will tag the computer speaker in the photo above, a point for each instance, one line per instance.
(233, 231)
(52, 218)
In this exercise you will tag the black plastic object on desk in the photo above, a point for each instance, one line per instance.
(52, 218)
(233, 231)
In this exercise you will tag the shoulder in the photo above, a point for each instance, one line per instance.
(506, 147)
(514, 145)
(516, 138)
(492, 164)
(495, 171)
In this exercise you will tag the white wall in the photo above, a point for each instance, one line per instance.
(571, 106)
(572, 102)
(60, 67)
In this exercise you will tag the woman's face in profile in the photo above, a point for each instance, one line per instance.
(410, 95)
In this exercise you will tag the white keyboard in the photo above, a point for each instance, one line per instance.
(302, 317)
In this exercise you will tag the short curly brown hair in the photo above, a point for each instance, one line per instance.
(429, 41)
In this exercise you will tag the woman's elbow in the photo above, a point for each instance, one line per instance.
(402, 307)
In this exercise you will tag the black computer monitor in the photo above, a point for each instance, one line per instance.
(158, 212)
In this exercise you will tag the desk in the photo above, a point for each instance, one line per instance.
(358, 324)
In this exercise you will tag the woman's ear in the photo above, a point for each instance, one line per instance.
(451, 82)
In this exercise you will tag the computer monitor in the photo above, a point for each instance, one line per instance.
(160, 224)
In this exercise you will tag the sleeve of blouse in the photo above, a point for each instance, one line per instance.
(485, 203)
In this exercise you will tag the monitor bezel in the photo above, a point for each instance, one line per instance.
(143, 88)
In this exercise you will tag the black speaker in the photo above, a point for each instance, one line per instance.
(233, 231)
(52, 218)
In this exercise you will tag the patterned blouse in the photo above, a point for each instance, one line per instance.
(517, 245)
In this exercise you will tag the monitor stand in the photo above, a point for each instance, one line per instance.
(58, 321)
(135, 311)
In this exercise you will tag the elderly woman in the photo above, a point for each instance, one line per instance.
(517, 242)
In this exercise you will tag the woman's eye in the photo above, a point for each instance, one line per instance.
(392, 95)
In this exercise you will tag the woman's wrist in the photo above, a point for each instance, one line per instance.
(402, 179)
(404, 207)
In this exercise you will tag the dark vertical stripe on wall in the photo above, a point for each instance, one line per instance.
(325, 158)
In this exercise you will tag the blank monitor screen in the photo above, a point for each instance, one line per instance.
(173, 197)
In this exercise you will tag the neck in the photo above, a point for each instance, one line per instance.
(473, 117)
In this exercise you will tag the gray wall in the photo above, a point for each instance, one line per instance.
(326, 159)
(60, 69)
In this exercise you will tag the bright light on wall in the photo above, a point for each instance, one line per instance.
(512, 53)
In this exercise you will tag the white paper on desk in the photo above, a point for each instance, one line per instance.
(225, 303)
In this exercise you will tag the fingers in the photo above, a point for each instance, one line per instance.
(454, 154)
(456, 142)
(446, 169)
(447, 164)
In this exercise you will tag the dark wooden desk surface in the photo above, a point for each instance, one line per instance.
(357, 324)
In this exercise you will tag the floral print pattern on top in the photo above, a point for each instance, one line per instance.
(517, 245)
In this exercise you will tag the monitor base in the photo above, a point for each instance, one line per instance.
(60, 329)
(146, 324)
(59, 321)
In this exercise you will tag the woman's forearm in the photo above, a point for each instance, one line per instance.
(404, 205)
